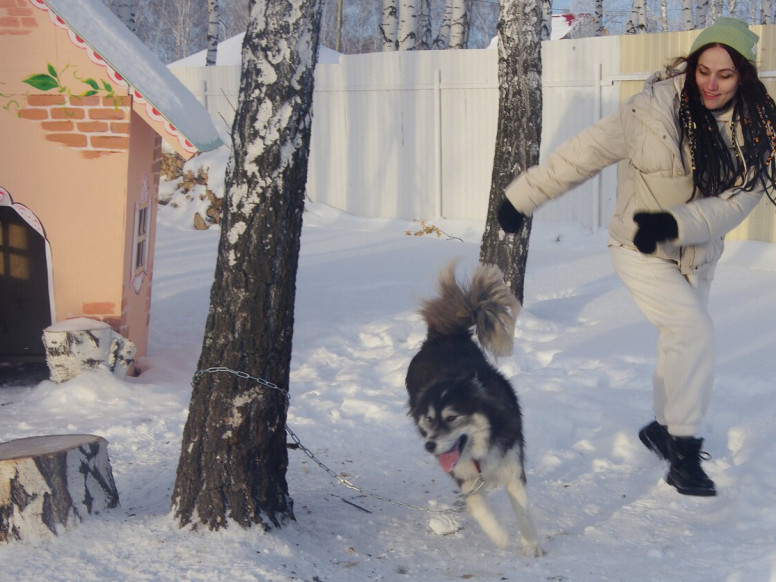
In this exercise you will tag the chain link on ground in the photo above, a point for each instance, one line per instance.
(458, 506)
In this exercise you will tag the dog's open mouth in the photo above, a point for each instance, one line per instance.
(449, 459)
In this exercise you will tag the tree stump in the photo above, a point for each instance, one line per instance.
(76, 345)
(48, 483)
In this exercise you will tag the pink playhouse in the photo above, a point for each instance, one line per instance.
(84, 107)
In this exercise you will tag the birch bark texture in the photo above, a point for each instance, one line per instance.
(408, 24)
(50, 483)
(234, 458)
(389, 25)
(213, 35)
(518, 133)
(125, 10)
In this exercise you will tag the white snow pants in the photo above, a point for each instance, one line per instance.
(678, 306)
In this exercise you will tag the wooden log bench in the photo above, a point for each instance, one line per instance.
(48, 483)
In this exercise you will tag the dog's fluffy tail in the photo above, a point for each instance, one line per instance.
(485, 304)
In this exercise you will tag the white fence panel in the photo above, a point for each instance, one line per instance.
(217, 88)
(411, 134)
(579, 87)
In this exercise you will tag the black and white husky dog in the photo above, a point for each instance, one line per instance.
(466, 411)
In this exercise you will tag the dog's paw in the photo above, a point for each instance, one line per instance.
(533, 550)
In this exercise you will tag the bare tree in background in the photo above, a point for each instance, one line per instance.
(213, 26)
(518, 135)
(233, 454)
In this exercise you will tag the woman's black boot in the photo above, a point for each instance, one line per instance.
(686, 473)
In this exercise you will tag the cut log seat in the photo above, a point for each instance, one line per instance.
(48, 483)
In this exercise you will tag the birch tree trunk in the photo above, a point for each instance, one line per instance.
(425, 35)
(703, 6)
(637, 23)
(454, 29)
(389, 25)
(212, 33)
(599, 17)
(518, 135)
(408, 23)
(442, 40)
(546, 20)
(716, 11)
(459, 24)
(125, 10)
(233, 456)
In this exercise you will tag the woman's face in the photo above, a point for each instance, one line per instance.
(716, 77)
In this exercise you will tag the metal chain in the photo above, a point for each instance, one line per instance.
(246, 376)
(458, 506)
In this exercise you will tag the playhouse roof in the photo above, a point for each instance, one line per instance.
(115, 44)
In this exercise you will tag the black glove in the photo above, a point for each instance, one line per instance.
(654, 227)
(509, 219)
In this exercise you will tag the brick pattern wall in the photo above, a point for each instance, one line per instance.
(16, 17)
(96, 125)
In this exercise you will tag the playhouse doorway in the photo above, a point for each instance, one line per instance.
(25, 304)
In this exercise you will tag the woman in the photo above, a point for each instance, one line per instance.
(700, 143)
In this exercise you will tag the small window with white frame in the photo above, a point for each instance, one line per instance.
(139, 266)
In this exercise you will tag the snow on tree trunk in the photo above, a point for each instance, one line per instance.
(408, 23)
(389, 25)
(233, 455)
(518, 135)
(765, 12)
(48, 483)
(703, 7)
(212, 32)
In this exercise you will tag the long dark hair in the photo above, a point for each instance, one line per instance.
(714, 168)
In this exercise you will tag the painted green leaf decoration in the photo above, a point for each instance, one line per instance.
(107, 87)
(52, 71)
(41, 82)
(89, 93)
(92, 83)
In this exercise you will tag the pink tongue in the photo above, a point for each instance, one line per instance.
(449, 459)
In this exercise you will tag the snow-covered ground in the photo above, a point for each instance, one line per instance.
(582, 363)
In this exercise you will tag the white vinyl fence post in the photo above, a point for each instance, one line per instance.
(438, 140)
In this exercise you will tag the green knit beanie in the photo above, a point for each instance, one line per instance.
(730, 32)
